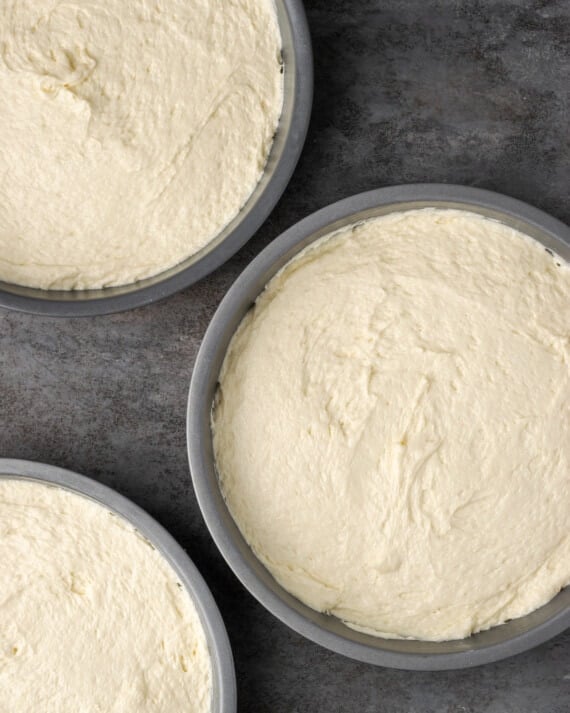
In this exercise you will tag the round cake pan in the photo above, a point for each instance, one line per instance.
(285, 152)
(497, 643)
(224, 698)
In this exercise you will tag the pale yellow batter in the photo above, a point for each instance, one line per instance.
(92, 618)
(392, 426)
(131, 133)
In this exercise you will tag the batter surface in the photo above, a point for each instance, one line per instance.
(392, 426)
(92, 618)
(131, 133)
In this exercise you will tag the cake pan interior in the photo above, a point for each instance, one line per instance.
(224, 697)
(285, 152)
(499, 642)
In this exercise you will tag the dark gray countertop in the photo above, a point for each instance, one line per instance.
(460, 91)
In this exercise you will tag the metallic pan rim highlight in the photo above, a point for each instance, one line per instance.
(224, 699)
(289, 140)
(497, 643)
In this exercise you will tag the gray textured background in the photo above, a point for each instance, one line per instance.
(473, 92)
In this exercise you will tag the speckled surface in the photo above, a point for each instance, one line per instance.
(470, 91)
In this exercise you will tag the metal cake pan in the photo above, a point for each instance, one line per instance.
(224, 697)
(497, 643)
(285, 152)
